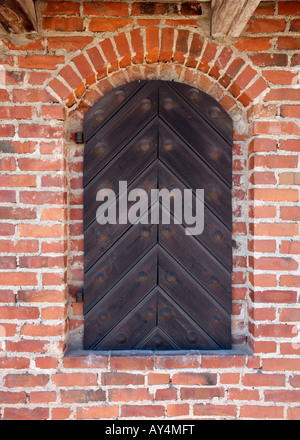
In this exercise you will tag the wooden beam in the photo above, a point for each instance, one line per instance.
(229, 17)
(18, 16)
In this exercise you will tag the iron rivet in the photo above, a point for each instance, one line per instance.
(216, 319)
(146, 104)
(171, 276)
(166, 230)
(194, 93)
(145, 145)
(213, 192)
(100, 277)
(121, 338)
(214, 112)
(191, 337)
(213, 152)
(150, 313)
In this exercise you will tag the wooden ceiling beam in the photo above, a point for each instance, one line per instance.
(18, 16)
(229, 17)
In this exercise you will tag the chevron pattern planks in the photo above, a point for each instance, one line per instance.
(151, 286)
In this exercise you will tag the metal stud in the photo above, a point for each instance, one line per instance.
(213, 280)
(120, 95)
(101, 147)
(99, 115)
(168, 103)
(213, 192)
(150, 313)
(194, 94)
(171, 276)
(214, 152)
(166, 230)
(146, 104)
(99, 277)
(218, 236)
(216, 320)
(166, 312)
(121, 338)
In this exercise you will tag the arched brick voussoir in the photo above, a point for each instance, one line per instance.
(225, 73)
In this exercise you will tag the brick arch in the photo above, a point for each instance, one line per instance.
(225, 72)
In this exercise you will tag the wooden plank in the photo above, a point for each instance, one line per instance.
(157, 339)
(18, 16)
(228, 18)
(196, 132)
(186, 292)
(121, 300)
(195, 173)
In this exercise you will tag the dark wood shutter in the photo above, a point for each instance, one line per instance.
(151, 286)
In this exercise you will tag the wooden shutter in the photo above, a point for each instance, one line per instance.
(151, 286)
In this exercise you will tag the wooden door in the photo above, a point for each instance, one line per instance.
(150, 286)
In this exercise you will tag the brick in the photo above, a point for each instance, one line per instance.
(289, 315)
(269, 59)
(274, 263)
(288, 43)
(74, 379)
(295, 25)
(61, 413)
(290, 213)
(275, 229)
(42, 397)
(17, 363)
(293, 413)
(8, 397)
(27, 346)
(137, 46)
(281, 364)
(289, 144)
(253, 44)
(62, 91)
(274, 296)
(290, 111)
(222, 361)
(26, 413)
(40, 131)
(30, 96)
(69, 44)
(12, 312)
(19, 112)
(291, 247)
(282, 77)
(152, 44)
(129, 395)
(263, 380)
(7, 130)
(17, 180)
(290, 281)
(18, 279)
(289, 179)
(7, 296)
(46, 363)
(275, 127)
(282, 396)
(123, 50)
(40, 231)
(177, 410)
(6, 229)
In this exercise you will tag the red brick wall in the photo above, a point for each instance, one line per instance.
(84, 49)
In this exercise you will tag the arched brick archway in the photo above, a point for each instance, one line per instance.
(222, 72)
